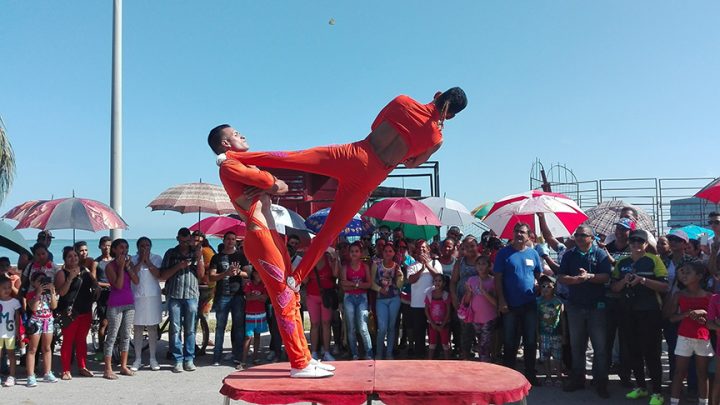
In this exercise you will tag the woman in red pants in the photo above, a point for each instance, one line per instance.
(77, 289)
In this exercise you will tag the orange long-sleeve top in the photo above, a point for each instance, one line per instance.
(416, 123)
(235, 176)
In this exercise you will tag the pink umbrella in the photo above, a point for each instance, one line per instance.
(17, 212)
(711, 192)
(403, 210)
(71, 213)
(561, 213)
(218, 226)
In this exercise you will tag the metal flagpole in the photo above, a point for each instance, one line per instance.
(116, 117)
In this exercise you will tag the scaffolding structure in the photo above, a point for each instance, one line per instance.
(668, 201)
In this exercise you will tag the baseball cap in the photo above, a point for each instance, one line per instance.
(546, 277)
(627, 223)
(680, 234)
(45, 235)
(639, 233)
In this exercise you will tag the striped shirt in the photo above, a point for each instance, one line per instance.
(183, 284)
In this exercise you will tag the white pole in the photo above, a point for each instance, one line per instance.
(116, 117)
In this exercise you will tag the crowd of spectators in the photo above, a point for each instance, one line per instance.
(385, 296)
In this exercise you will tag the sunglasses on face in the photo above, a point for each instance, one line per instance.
(714, 222)
(636, 240)
(582, 235)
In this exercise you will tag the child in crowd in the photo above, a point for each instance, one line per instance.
(7, 270)
(480, 296)
(437, 311)
(551, 329)
(41, 301)
(713, 322)
(693, 333)
(255, 319)
(9, 325)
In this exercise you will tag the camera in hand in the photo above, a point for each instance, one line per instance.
(629, 291)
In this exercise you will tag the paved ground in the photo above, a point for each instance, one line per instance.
(202, 387)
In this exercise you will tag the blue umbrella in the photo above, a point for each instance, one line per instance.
(694, 231)
(358, 226)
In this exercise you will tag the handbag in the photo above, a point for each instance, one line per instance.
(64, 317)
(329, 296)
(465, 313)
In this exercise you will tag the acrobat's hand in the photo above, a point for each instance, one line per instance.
(220, 159)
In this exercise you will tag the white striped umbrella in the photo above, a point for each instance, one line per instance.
(562, 214)
(194, 197)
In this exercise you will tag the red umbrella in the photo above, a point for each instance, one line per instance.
(218, 226)
(403, 210)
(711, 192)
(17, 212)
(561, 213)
(70, 213)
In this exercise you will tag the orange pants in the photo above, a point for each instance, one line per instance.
(358, 171)
(268, 254)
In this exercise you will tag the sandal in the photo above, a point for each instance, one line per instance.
(127, 372)
(86, 373)
(111, 376)
(66, 376)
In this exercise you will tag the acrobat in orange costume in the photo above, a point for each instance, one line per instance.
(267, 252)
(356, 167)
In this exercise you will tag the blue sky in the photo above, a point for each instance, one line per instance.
(610, 88)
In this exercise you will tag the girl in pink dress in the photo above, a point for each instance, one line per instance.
(437, 311)
(480, 296)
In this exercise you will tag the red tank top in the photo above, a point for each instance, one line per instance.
(688, 327)
(356, 276)
(416, 123)
(326, 278)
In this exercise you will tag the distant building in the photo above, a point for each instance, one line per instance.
(689, 211)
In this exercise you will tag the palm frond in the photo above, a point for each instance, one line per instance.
(7, 163)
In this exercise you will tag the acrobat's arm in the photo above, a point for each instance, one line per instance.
(416, 161)
(238, 172)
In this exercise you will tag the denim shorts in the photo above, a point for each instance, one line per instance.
(44, 325)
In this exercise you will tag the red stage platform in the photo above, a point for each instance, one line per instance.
(392, 382)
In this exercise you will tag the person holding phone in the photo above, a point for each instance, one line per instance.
(182, 268)
(228, 269)
(41, 301)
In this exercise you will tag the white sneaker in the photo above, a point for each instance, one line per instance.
(324, 366)
(137, 365)
(328, 357)
(154, 366)
(311, 371)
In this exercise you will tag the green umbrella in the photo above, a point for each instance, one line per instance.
(12, 239)
(425, 232)
(482, 210)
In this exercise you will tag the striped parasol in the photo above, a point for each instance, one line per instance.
(602, 217)
(194, 197)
